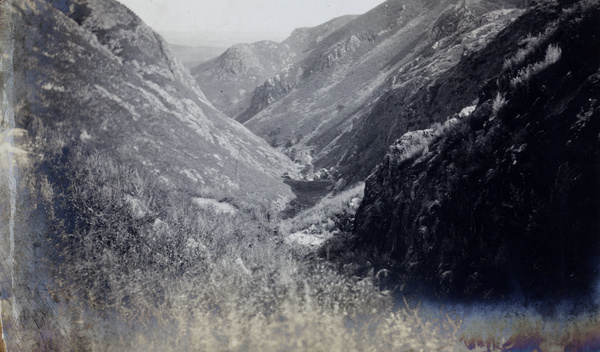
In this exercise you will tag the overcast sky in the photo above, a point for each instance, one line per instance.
(243, 18)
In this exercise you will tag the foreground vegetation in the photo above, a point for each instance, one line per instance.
(133, 266)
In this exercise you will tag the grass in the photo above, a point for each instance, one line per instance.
(531, 44)
(498, 103)
(553, 54)
(530, 331)
(327, 213)
(133, 267)
(156, 274)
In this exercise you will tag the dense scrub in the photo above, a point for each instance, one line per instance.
(135, 267)
(508, 199)
(223, 282)
(110, 257)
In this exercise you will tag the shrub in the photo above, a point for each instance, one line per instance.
(329, 214)
(553, 54)
(531, 44)
(499, 102)
(133, 267)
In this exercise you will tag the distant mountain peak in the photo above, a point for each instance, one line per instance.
(230, 79)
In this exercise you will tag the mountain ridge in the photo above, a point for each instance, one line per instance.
(231, 78)
(346, 76)
(192, 56)
(125, 96)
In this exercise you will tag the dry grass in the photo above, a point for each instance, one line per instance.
(325, 214)
(298, 325)
(133, 268)
(530, 331)
(197, 280)
(553, 54)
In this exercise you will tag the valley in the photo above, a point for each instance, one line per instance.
(423, 176)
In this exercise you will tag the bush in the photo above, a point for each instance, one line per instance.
(134, 267)
(330, 214)
(553, 54)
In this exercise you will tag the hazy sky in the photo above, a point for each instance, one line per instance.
(274, 18)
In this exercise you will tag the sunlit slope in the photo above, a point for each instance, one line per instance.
(230, 79)
(315, 110)
(94, 75)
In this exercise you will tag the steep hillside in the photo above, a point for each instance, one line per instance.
(92, 75)
(505, 197)
(131, 178)
(230, 79)
(134, 216)
(314, 111)
(436, 81)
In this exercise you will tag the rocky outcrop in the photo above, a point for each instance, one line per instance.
(452, 20)
(267, 93)
(335, 53)
(507, 199)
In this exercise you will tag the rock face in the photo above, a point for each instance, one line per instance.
(507, 198)
(230, 79)
(95, 76)
(339, 104)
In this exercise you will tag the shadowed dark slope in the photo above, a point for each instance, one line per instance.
(508, 197)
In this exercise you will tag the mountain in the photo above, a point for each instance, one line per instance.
(326, 111)
(95, 77)
(230, 79)
(128, 165)
(191, 56)
(138, 217)
(502, 198)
